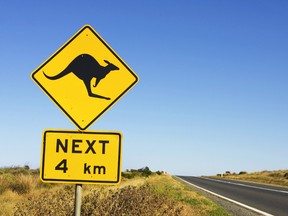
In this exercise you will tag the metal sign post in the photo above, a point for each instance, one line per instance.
(78, 197)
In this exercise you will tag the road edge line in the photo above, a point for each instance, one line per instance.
(225, 198)
(246, 185)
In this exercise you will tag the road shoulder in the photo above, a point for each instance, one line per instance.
(230, 207)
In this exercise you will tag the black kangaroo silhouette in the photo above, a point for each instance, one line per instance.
(86, 67)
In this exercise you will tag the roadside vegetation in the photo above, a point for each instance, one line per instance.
(141, 192)
(276, 177)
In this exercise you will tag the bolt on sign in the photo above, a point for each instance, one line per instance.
(85, 77)
(81, 157)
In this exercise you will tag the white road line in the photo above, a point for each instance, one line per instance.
(245, 185)
(230, 200)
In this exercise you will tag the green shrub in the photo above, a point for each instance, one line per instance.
(242, 172)
(128, 175)
(159, 172)
(145, 172)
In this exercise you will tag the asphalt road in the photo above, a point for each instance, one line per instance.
(270, 199)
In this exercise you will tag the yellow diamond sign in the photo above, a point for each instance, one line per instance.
(85, 77)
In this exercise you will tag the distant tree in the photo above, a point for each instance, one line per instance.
(146, 171)
(242, 172)
(159, 172)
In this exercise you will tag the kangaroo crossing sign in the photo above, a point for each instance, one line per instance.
(85, 77)
(92, 157)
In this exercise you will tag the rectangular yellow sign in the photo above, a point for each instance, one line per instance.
(86, 157)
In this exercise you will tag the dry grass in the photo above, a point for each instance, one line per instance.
(192, 202)
(179, 198)
(8, 201)
(137, 198)
(277, 177)
(24, 194)
(130, 200)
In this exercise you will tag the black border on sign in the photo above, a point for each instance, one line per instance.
(79, 180)
(111, 50)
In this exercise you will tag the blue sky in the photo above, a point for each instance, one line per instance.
(212, 94)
